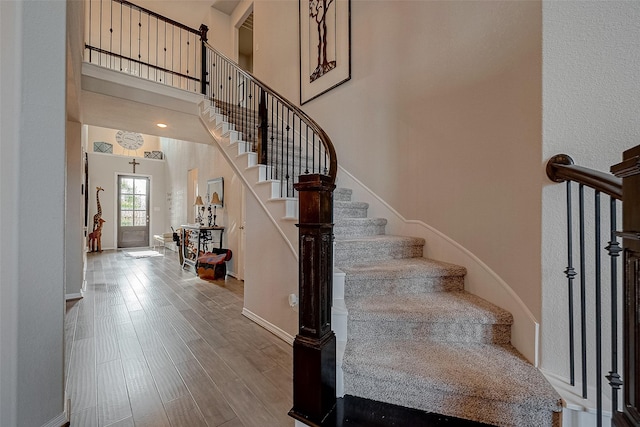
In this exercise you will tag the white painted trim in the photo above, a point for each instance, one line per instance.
(283, 335)
(481, 280)
(578, 412)
(70, 297)
(58, 421)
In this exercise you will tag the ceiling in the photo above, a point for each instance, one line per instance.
(225, 6)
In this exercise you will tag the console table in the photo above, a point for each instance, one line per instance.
(196, 239)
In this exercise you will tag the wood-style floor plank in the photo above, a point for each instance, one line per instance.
(183, 412)
(113, 399)
(153, 345)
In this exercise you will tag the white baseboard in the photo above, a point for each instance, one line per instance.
(70, 297)
(58, 421)
(283, 335)
(578, 412)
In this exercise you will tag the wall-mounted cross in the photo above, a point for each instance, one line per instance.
(134, 163)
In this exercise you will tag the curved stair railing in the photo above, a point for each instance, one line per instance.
(299, 155)
(288, 142)
(581, 277)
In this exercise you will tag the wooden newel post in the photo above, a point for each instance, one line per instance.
(314, 349)
(629, 171)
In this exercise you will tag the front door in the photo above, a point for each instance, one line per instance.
(133, 211)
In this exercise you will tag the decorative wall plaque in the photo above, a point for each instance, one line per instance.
(129, 140)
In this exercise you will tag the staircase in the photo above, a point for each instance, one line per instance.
(413, 337)
(418, 340)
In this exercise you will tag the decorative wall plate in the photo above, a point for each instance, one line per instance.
(129, 140)
(102, 147)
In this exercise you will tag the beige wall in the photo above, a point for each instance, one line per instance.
(444, 99)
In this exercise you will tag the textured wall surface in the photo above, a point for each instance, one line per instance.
(590, 111)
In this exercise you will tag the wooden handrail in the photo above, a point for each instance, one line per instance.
(561, 168)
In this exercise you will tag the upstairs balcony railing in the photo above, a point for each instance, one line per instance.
(294, 150)
(122, 36)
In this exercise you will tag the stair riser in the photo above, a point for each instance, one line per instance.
(358, 230)
(347, 254)
(372, 329)
(342, 195)
(367, 286)
(349, 212)
(455, 405)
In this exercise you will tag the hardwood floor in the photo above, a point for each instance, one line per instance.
(152, 345)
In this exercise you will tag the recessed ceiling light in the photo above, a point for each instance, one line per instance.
(161, 125)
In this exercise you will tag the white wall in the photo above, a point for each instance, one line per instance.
(103, 172)
(74, 211)
(590, 104)
(33, 192)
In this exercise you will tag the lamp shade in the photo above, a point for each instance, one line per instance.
(215, 199)
(198, 202)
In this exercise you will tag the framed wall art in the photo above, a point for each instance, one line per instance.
(325, 46)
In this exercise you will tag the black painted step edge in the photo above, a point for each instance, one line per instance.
(352, 411)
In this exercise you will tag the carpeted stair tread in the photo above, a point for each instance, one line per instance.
(408, 268)
(431, 307)
(482, 382)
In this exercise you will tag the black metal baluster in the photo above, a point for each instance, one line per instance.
(139, 42)
(272, 139)
(570, 272)
(280, 164)
(187, 63)
(306, 143)
(121, 36)
(173, 51)
(614, 250)
(313, 151)
(130, 38)
(148, 45)
(100, 36)
(598, 302)
(287, 175)
(294, 151)
(583, 291)
(111, 34)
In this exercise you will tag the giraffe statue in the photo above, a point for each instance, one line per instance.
(98, 216)
(95, 238)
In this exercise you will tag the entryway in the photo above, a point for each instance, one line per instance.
(133, 211)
